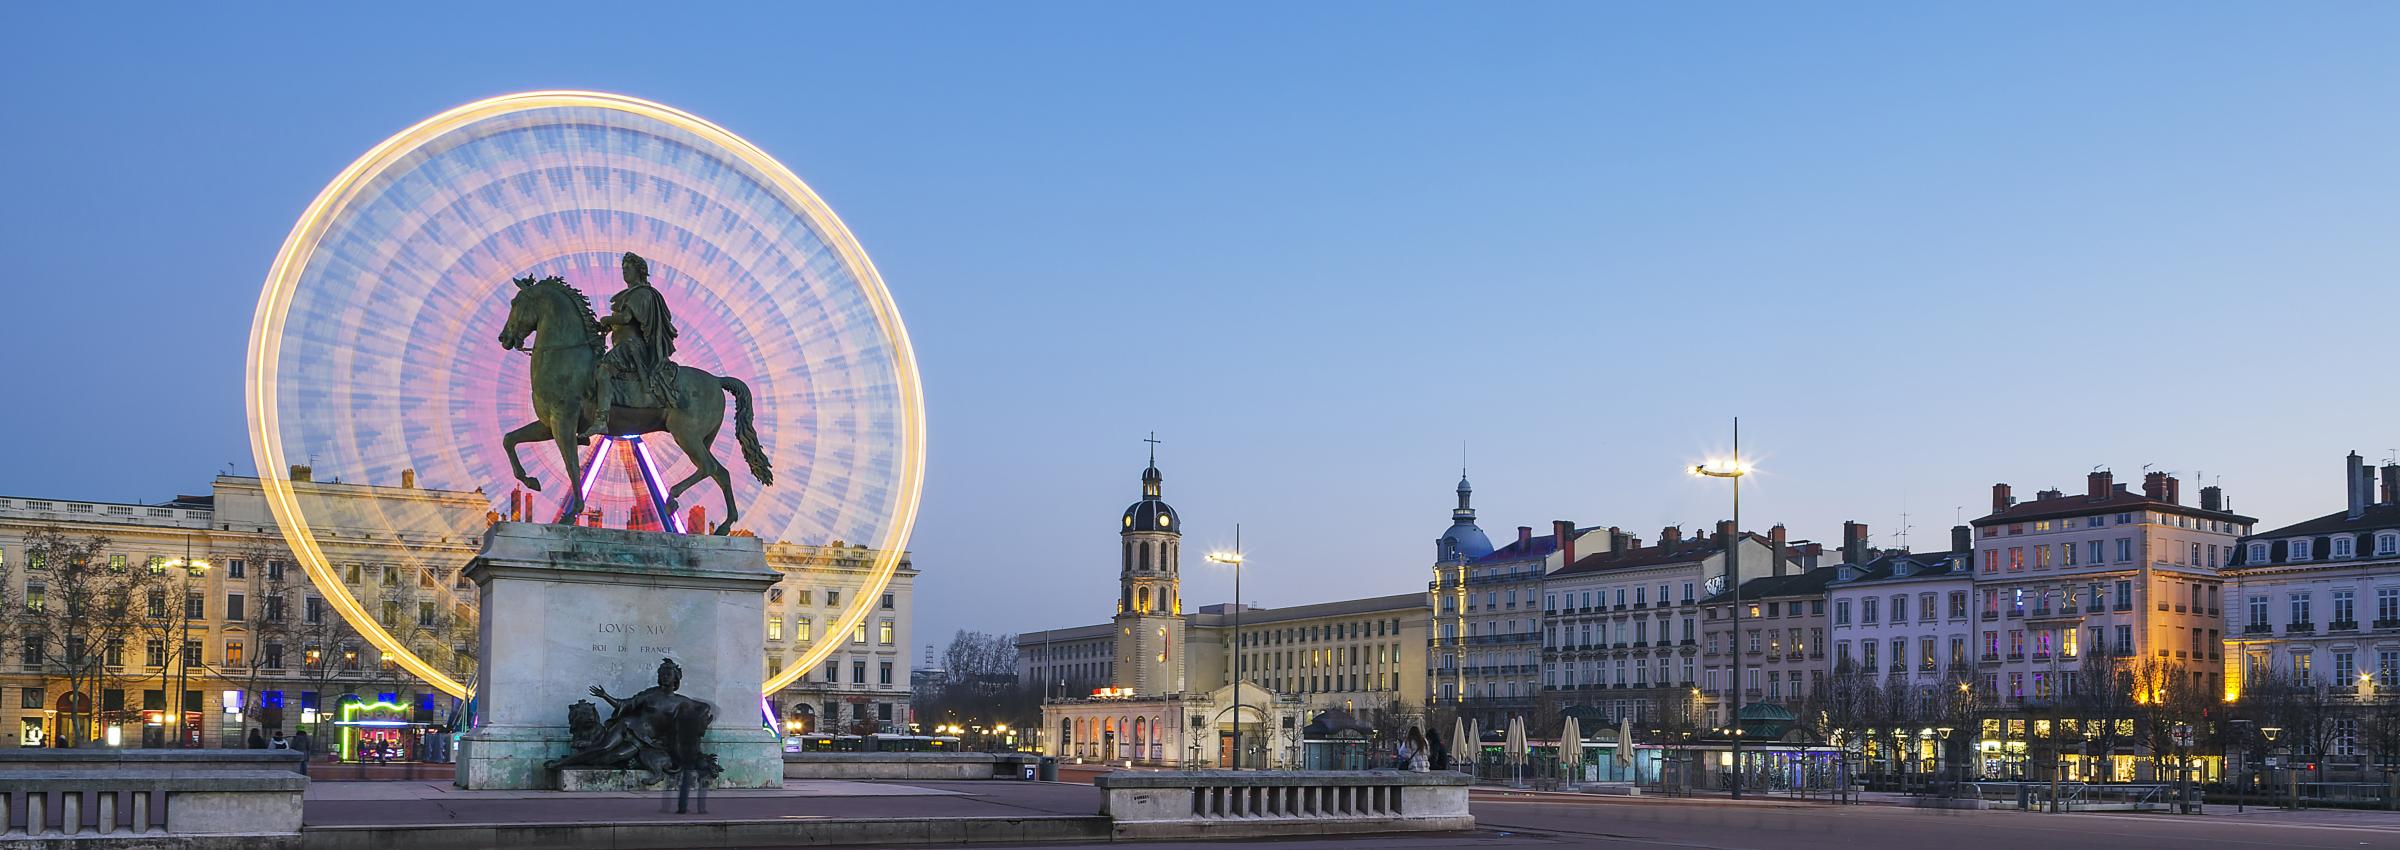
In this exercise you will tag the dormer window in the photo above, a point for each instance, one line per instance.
(2341, 546)
(2299, 549)
(2258, 553)
(2387, 544)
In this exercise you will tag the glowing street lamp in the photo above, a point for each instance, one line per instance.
(1733, 468)
(1234, 559)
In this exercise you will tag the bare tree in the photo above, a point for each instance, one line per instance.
(2103, 701)
(267, 624)
(174, 601)
(79, 603)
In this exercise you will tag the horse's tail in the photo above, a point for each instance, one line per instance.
(746, 430)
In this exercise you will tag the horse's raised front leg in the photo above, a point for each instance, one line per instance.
(533, 432)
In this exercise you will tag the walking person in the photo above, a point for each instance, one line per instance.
(1437, 756)
(1416, 751)
(301, 742)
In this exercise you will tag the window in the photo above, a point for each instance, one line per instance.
(36, 598)
(191, 653)
(195, 606)
(271, 654)
(2091, 550)
(233, 606)
(275, 608)
(154, 653)
(883, 632)
(2387, 544)
(1899, 610)
(2300, 614)
(2066, 554)
(2299, 549)
(2258, 553)
(833, 598)
(2341, 546)
(2124, 641)
(2124, 549)
(858, 672)
(2343, 608)
(2258, 611)
(1867, 610)
(859, 635)
(233, 653)
(775, 628)
(1991, 560)
(2387, 605)
(2016, 559)
(833, 673)
(887, 602)
(314, 611)
(883, 673)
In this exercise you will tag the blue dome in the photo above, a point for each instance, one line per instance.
(1152, 515)
(1466, 539)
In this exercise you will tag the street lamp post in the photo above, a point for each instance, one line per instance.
(1733, 469)
(1234, 558)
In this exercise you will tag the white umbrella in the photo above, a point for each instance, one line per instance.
(1462, 751)
(1625, 741)
(1474, 744)
(1514, 747)
(1570, 748)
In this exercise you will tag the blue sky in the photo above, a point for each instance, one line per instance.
(1318, 246)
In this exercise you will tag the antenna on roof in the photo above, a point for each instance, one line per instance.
(2146, 467)
(2099, 466)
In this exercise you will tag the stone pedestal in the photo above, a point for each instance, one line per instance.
(566, 607)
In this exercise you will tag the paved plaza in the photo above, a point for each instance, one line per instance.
(421, 803)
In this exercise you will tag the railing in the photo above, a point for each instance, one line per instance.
(263, 805)
(1228, 803)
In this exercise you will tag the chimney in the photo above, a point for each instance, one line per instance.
(2154, 486)
(2000, 498)
(1778, 540)
(1524, 537)
(1854, 541)
(2212, 498)
(2097, 485)
(2047, 495)
(1618, 540)
(1962, 538)
(408, 479)
(2174, 490)
(2391, 483)
(1566, 539)
(301, 472)
(2354, 475)
(1725, 531)
(1670, 535)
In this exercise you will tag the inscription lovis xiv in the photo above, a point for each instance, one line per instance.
(635, 638)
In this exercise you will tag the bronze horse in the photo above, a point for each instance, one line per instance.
(566, 361)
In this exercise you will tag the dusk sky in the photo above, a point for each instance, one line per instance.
(1318, 247)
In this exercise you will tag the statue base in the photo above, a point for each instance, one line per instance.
(596, 779)
(566, 607)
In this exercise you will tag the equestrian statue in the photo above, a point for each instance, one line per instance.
(631, 386)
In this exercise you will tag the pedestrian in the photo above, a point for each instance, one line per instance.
(300, 742)
(1436, 755)
(257, 741)
(1416, 751)
(278, 742)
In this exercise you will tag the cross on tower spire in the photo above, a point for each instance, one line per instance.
(1153, 441)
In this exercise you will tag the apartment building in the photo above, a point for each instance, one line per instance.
(2107, 574)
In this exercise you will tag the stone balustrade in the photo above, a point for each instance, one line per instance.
(206, 808)
(1226, 803)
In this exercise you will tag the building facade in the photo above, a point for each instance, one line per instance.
(862, 687)
(1776, 655)
(235, 636)
(1624, 633)
(2105, 574)
(2316, 604)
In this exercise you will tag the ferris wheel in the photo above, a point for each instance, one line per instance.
(374, 353)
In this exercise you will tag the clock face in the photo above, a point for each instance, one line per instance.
(1715, 585)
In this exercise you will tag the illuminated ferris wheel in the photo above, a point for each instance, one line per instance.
(374, 351)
